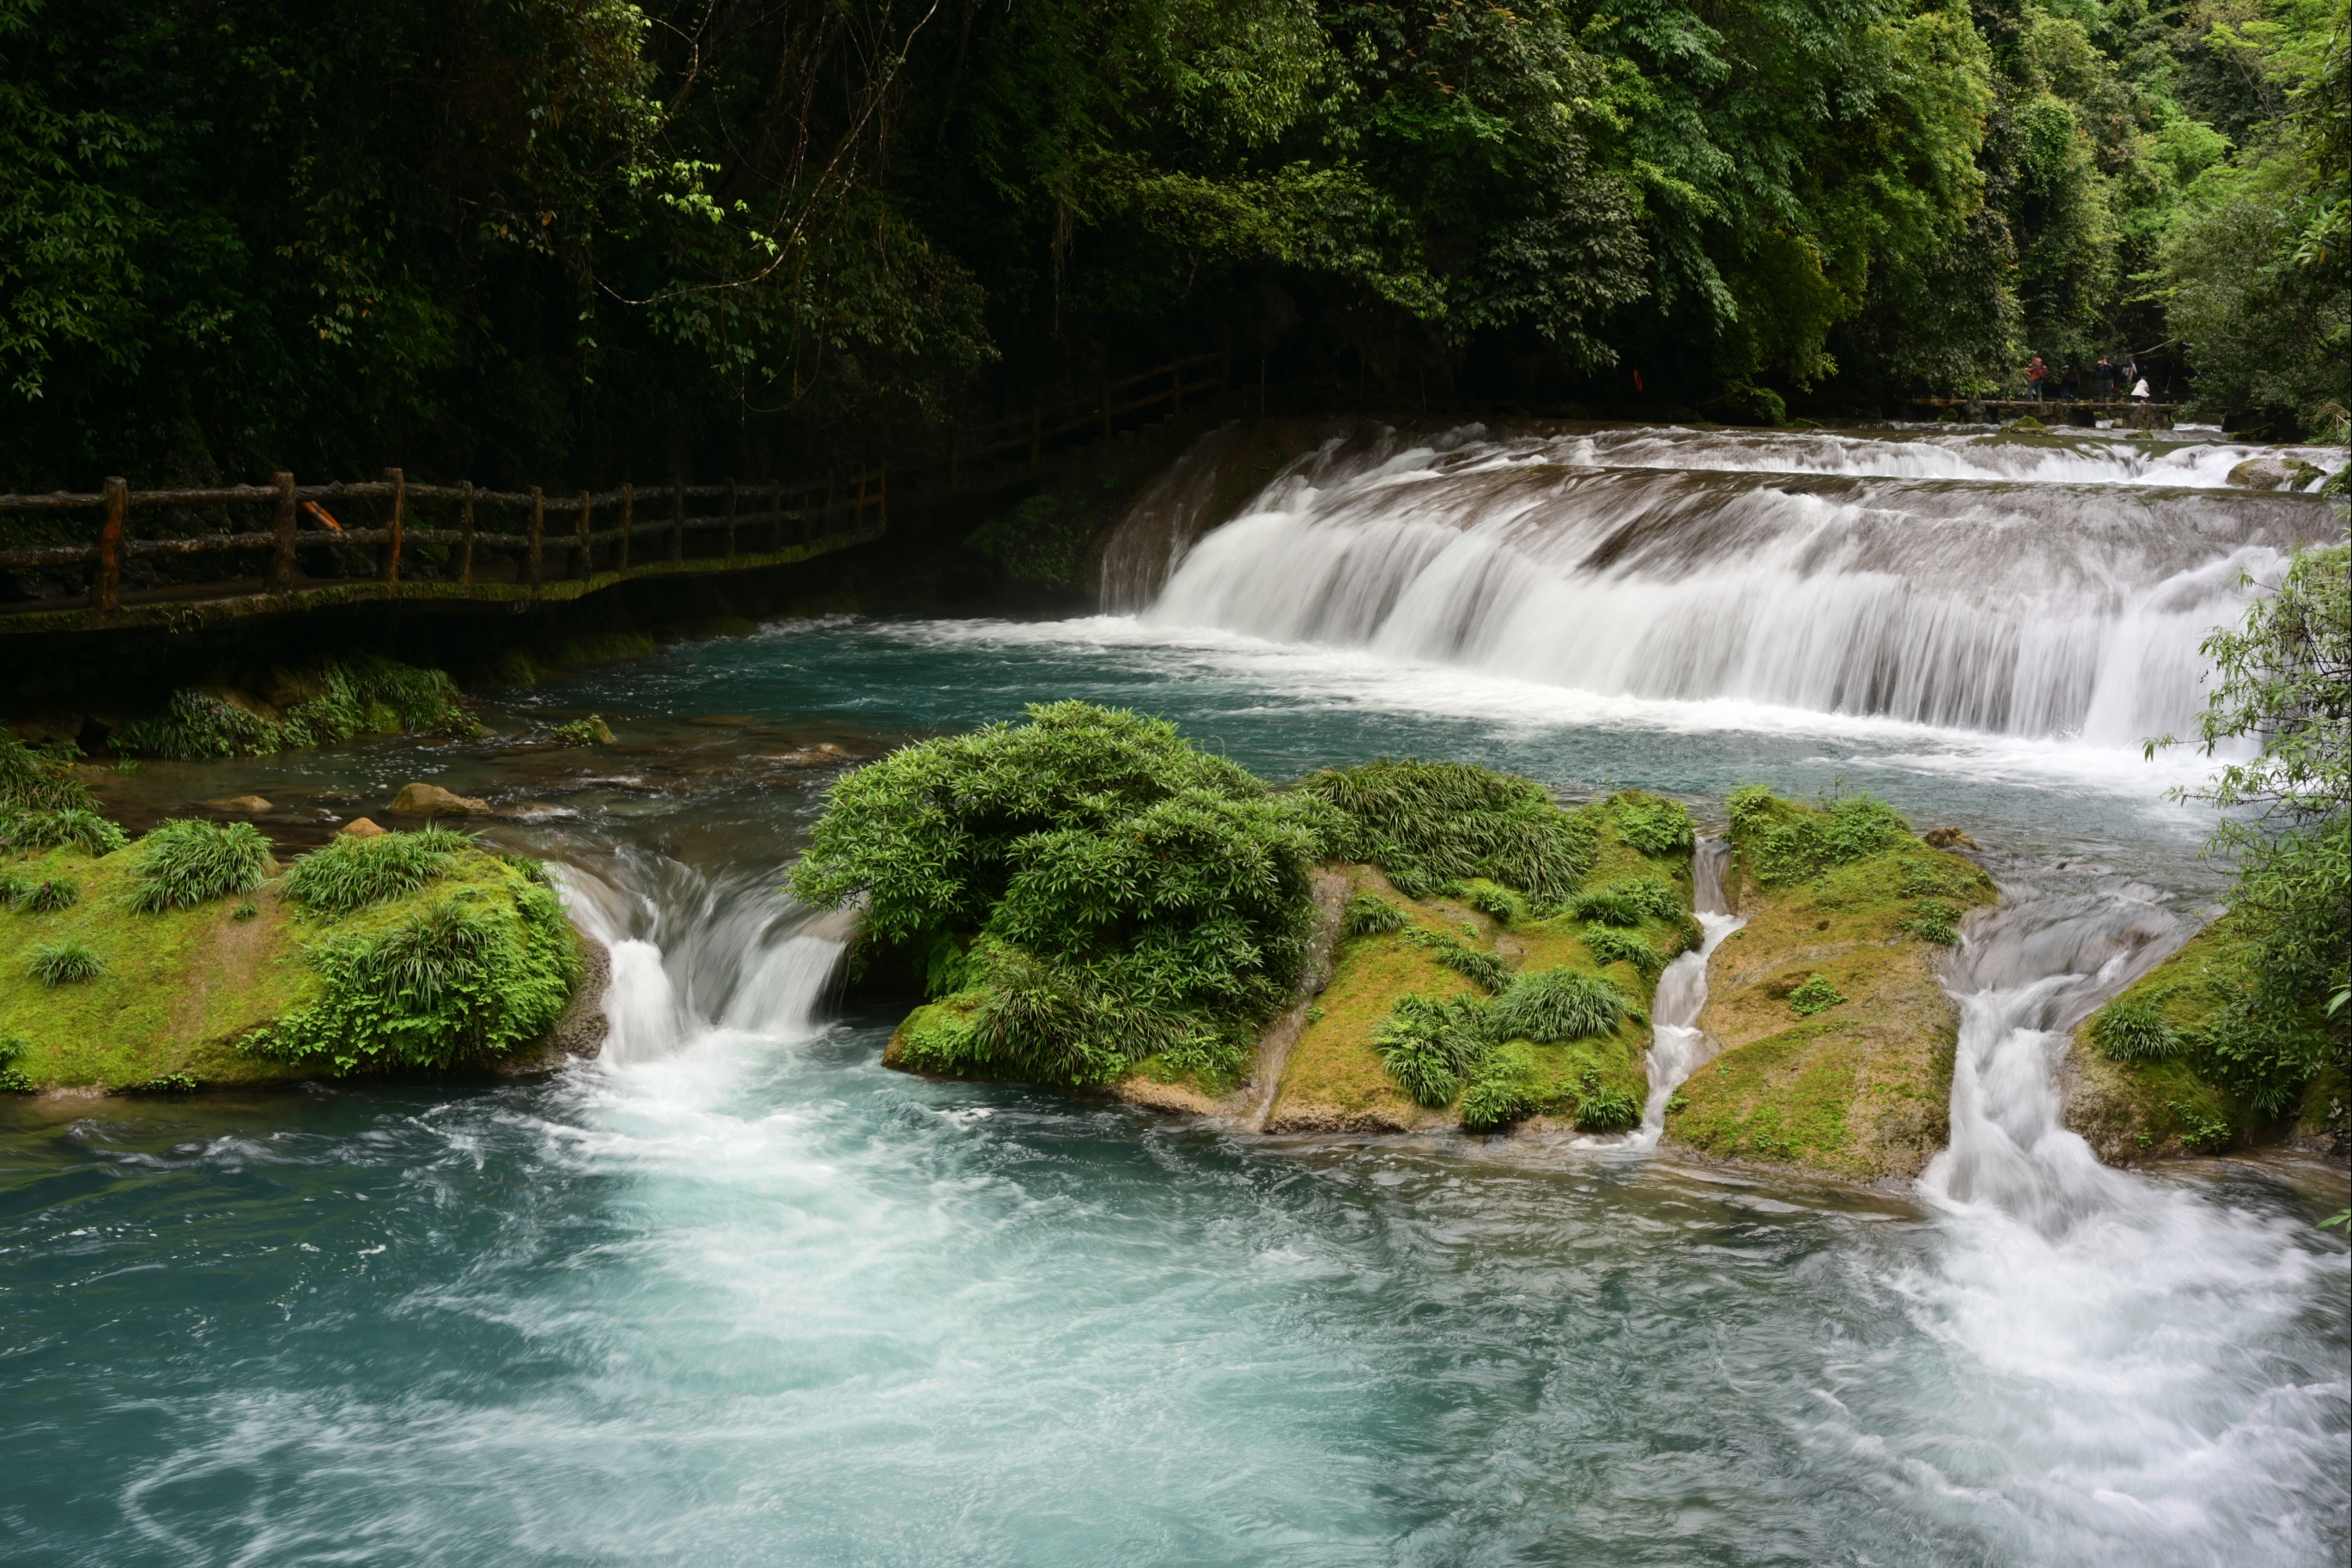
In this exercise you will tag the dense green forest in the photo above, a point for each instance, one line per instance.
(583, 239)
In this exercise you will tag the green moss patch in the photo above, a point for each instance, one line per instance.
(191, 991)
(1837, 1039)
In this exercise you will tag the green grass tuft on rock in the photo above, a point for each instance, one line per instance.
(75, 828)
(184, 863)
(349, 874)
(66, 963)
(1427, 824)
(1552, 1006)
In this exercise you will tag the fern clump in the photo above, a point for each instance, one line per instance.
(2130, 1030)
(14, 1078)
(349, 874)
(1609, 945)
(363, 697)
(41, 779)
(1496, 903)
(184, 863)
(1426, 823)
(1629, 902)
(68, 963)
(1128, 894)
(1481, 969)
(1653, 826)
(1786, 843)
(1429, 1047)
(60, 828)
(1369, 914)
(46, 897)
(460, 983)
(1503, 1090)
(1815, 995)
(1551, 1005)
(1600, 1109)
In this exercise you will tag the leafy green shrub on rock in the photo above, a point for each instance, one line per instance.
(1503, 1091)
(1629, 902)
(349, 874)
(1481, 969)
(14, 1080)
(1430, 1045)
(1786, 843)
(1653, 826)
(1552, 1006)
(50, 896)
(2130, 1030)
(1815, 995)
(184, 863)
(1609, 945)
(1426, 823)
(1496, 903)
(1124, 894)
(64, 963)
(460, 984)
(1600, 1109)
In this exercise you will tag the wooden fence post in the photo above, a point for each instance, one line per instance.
(584, 550)
(106, 579)
(392, 523)
(628, 522)
(537, 530)
(677, 520)
(281, 554)
(465, 542)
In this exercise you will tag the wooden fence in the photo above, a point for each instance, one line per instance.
(430, 541)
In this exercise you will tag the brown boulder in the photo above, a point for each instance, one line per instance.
(432, 800)
(1946, 838)
(361, 827)
(245, 804)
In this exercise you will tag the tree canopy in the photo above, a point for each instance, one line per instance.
(598, 238)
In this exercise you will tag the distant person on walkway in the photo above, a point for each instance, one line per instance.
(2106, 370)
(2036, 372)
(2139, 392)
(2072, 387)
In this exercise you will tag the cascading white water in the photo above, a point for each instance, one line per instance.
(2094, 1317)
(693, 957)
(1980, 604)
(1677, 1046)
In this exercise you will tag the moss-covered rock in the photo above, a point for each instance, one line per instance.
(1334, 1079)
(2141, 1081)
(1837, 1039)
(189, 991)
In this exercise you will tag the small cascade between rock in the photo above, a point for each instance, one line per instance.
(1677, 1047)
(695, 956)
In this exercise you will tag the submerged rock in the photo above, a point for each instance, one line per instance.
(1946, 838)
(245, 804)
(432, 800)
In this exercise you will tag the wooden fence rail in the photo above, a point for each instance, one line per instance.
(435, 533)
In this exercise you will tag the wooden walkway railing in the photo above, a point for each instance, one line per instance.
(428, 542)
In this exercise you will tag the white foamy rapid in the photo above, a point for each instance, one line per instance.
(1677, 1048)
(2017, 605)
(695, 961)
(2100, 1402)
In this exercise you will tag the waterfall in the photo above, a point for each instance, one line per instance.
(695, 956)
(2018, 591)
(1677, 1047)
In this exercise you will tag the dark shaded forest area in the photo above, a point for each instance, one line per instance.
(587, 240)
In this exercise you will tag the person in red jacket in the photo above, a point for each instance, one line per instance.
(2036, 372)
